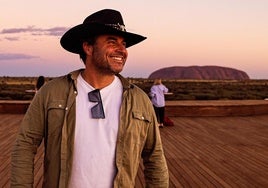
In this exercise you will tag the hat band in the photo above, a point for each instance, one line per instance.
(117, 26)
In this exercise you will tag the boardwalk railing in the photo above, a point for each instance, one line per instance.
(179, 108)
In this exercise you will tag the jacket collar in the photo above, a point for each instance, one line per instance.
(74, 75)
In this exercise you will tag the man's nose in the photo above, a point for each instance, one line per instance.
(121, 46)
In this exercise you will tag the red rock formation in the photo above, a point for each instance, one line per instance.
(200, 73)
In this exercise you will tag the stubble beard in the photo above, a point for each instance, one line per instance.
(102, 64)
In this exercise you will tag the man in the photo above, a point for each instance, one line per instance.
(96, 126)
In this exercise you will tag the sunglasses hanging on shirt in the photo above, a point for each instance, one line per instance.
(97, 111)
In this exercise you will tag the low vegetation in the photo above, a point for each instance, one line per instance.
(17, 88)
(211, 89)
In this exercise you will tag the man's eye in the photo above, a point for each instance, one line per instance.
(111, 41)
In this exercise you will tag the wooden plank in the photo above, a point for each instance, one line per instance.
(7, 138)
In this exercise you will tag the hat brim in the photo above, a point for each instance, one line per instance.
(73, 38)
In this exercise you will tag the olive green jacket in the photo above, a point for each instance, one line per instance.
(51, 117)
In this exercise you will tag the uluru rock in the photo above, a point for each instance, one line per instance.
(200, 73)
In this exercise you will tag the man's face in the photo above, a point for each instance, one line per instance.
(109, 54)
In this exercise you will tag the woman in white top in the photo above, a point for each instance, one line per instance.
(157, 95)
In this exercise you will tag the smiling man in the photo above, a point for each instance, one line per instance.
(96, 126)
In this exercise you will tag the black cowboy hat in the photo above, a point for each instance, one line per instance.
(105, 21)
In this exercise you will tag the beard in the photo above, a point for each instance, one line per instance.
(104, 64)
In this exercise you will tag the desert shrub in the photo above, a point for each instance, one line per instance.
(14, 88)
(206, 96)
(27, 97)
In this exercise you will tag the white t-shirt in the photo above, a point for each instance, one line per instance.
(95, 139)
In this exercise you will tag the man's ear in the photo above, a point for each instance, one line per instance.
(87, 48)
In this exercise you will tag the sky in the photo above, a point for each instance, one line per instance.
(227, 33)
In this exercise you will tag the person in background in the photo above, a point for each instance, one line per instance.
(157, 94)
(39, 83)
(96, 126)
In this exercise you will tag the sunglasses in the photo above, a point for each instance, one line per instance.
(97, 111)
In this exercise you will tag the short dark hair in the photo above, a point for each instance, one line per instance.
(40, 82)
(82, 54)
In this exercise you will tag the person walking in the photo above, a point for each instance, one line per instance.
(95, 125)
(157, 94)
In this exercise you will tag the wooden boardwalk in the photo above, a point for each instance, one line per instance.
(200, 151)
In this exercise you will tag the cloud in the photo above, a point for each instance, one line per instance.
(54, 31)
(57, 31)
(12, 38)
(15, 56)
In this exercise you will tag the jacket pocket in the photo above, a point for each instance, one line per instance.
(55, 116)
(142, 117)
(137, 128)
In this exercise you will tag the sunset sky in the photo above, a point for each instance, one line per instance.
(228, 33)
